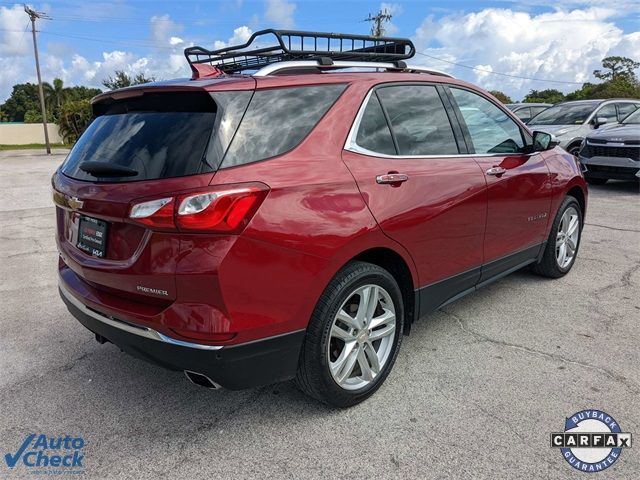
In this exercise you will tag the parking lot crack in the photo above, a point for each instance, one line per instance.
(631, 386)
(613, 228)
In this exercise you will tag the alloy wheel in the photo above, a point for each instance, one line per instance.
(361, 337)
(567, 237)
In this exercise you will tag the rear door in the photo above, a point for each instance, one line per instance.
(424, 192)
(518, 183)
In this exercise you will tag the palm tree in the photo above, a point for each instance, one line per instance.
(54, 95)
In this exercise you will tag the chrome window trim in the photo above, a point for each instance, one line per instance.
(352, 146)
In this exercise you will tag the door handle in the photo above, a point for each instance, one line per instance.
(391, 178)
(495, 171)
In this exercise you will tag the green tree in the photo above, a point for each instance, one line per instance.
(549, 95)
(35, 116)
(75, 117)
(503, 97)
(24, 97)
(122, 80)
(616, 68)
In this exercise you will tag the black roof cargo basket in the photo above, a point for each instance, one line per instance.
(298, 45)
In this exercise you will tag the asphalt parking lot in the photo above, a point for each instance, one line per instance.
(476, 391)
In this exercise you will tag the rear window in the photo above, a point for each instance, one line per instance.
(277, 120)
(159, 135)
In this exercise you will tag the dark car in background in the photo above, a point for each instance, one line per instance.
(526, 111)
(613, 152)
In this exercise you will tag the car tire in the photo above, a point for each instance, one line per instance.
(595, 181)
(336, 347)
(574, 149)
(562, 238)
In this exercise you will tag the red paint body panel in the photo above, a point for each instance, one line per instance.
(519, 204)
(323, 208)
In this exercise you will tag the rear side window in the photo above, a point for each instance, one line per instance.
(277, 120)
(418, 120)
(491, 130)
(158, 135)
(374, 133)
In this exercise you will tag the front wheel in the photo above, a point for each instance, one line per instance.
(563, 242)
(353, 336)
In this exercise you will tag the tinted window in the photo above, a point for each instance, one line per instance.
(523, 114)
(154, 142)
(625, 109)
(418, 120)
(277, 120)
(633, 119)
(536, 110)
(608, 113)
(491, 130)
(565, 114)
(159, 135)
(374, 133)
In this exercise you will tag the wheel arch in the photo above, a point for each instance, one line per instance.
(396, 265)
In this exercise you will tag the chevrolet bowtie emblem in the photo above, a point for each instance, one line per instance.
(75, 203)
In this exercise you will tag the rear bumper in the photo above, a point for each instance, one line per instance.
(235, 367)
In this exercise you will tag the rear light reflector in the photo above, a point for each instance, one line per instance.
(155, 213)
(223, 209)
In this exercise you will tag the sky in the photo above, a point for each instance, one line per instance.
(553, 44)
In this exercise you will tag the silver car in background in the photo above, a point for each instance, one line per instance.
(612, 152)
(572, 122)
(526, 111)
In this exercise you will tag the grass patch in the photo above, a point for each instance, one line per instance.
(32, 146)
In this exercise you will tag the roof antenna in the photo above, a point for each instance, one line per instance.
(377, 29)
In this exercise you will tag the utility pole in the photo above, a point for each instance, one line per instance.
(33, 15)
(377, 29)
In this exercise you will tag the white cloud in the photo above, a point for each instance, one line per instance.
(240, 36)
(561, 45)
(280, 13)
(14, 24)
(163, 30)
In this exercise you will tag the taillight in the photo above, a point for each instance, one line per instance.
(224, 209)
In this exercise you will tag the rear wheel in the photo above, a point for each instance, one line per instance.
(563, 242)
(595, 181)
(353, 337)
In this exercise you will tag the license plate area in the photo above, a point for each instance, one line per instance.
(92, 236)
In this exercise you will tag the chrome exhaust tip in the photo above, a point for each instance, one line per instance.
(202, 380)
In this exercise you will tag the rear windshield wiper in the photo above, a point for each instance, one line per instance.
(105, 169)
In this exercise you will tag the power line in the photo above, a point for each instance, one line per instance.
(499, 73)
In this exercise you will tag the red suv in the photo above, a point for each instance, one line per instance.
(293, 223)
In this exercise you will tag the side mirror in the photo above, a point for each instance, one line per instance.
(544, 141)
(599, 121)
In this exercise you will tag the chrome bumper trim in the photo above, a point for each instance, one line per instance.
(129, 327)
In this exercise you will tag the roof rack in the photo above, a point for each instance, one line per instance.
(298, 45)
(302, 65)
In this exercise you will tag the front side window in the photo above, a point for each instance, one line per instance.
(624, 109)
(523, 114)
(418, 120)
(277, 120)
(491, 130)
(633, 119)
(607, 113)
